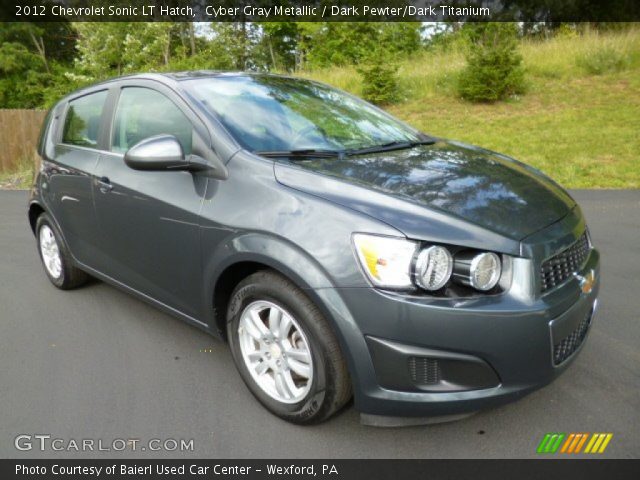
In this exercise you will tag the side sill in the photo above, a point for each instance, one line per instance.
(146, 298)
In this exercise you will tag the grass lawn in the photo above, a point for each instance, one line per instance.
(579, 121)
(18, 179)
(581, 128)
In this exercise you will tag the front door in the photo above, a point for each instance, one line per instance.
(149, 221)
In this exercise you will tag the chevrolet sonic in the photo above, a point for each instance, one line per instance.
(340, 252)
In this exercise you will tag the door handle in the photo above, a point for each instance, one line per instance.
(105, 184)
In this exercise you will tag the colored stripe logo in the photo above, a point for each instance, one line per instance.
(574, 443)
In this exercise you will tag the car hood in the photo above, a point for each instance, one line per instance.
(480, 187)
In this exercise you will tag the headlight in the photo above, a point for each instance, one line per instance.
(478, 270)
(385, 260)
(433, 267)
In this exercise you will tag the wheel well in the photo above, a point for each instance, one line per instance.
(35, 211)
(225, 286)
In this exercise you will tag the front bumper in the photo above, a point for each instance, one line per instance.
(491, 350)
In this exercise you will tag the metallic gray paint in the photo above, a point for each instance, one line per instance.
(169, 236)
(475, 185)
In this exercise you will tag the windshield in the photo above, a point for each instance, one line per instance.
(273, 114)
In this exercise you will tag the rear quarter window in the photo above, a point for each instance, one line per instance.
(82, 122)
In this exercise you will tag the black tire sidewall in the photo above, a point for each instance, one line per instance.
(310, 407)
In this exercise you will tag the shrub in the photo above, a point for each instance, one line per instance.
(602, 60)
(494, 66)
(379, 79)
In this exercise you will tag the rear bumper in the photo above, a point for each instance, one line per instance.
(430, 358)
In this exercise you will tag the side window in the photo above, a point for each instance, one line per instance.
(142, 113)
(83, 120)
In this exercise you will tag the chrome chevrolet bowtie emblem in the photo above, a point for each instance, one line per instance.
(586, 282)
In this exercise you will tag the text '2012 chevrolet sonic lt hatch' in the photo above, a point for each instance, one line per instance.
(339, 251)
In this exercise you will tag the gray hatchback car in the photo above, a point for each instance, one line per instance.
(340, 252)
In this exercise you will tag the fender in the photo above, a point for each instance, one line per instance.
(59, 230)
(299, 267)
(32, 221)
(274, 251)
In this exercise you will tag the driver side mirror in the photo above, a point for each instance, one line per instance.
(164, 153)
(160, 152)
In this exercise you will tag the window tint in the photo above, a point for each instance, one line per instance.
(142, 113)
(83, 120)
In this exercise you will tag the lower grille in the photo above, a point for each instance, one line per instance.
(424, 370)
(569, 344)
(561, 266)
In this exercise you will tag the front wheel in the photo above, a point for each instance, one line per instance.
(285, 350)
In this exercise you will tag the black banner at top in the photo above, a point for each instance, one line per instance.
(320, 10)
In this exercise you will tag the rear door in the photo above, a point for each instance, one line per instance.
(68, 189)
(148, 220)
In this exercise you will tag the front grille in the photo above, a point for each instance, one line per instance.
(570, 343)
(424, 370)
(561, 266)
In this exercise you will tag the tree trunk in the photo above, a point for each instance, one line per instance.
(166, 51)
(39, 44)
(192, 38)
(244, 44)
(273, 57)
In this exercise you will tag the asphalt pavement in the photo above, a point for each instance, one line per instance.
(96, 363)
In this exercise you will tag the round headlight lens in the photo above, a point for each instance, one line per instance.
(485, 271)
(433, 267)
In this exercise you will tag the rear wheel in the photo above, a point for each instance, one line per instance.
(285, 350)
(55, 256)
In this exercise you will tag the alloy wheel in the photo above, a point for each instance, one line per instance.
(50, 251)
(276, 351)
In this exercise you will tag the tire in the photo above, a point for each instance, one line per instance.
(312, 399)
(62, 272)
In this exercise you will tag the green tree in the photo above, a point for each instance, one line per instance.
(280, 40)
(494, 66)
(32, 56)
(400, 38)
(22, 76)
(236, 45)
(325, 44)
(379, 79)
(147, 47)
(109, 49)
(99, 45)
(50, 41)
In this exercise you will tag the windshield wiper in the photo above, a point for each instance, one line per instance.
(307, 153)
(395, 145)
(301, 154)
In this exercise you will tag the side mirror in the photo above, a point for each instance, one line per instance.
(164, 152)
(160, 152)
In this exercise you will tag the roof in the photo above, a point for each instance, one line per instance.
(170, 78)
(188, 74)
